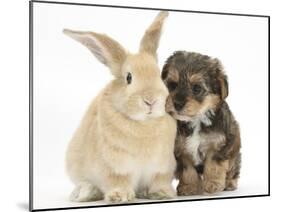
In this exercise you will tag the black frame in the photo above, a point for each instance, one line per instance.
(31, 105)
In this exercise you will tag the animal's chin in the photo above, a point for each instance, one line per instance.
(146, 115)
(180, 117)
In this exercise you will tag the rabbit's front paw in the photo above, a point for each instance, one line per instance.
(85, 192)
(118, 196)
(164, 193)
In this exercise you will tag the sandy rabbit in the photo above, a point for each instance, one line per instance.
(124, 145)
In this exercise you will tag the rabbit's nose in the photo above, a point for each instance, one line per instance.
(149, 103)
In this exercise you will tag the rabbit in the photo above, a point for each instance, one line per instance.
(124, 146)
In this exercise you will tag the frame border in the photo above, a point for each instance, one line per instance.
(31, 106)
(31, 2)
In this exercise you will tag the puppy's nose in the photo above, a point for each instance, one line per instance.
(178, 105)
(179, 100)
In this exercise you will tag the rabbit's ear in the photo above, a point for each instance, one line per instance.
(106, 50)
(150, 40)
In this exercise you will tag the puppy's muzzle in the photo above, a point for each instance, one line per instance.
(179, 101)
(178, 105)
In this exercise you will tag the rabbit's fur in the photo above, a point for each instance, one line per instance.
(124, 145)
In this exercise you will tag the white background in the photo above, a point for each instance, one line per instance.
(67, 77)
(14, 109)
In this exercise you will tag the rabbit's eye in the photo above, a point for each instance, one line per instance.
(129, 78)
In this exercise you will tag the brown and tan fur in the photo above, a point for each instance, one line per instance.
(124, 145)
(207, 146)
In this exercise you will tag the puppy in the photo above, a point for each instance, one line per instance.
(207, 147)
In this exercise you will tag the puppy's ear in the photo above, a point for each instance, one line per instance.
(150, 40)
(106, 50)
(223, 86)
(164, 72)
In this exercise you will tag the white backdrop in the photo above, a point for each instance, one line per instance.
(67, 77)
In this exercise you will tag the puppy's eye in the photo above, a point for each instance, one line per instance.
(172, 86)
(129, 78)
(196, 89)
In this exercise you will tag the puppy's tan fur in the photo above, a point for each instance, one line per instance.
(208, 140)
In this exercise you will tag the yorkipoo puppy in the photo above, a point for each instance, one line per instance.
(207, 146)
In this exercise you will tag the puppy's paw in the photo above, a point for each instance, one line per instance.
(164, 193)
(231, 185)
(119, 196)
(213, 186)
(188, 189)
(85, 192)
